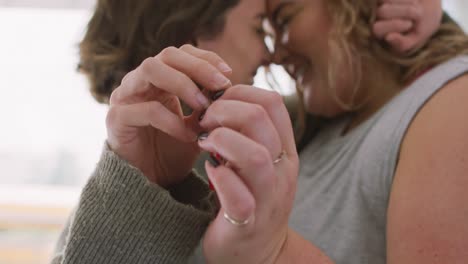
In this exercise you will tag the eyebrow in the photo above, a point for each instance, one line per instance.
(278, 9)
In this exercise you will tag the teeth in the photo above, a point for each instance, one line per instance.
(291, 68)
(300, 74)
(285, 37)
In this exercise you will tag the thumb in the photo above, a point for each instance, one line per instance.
(402, 43)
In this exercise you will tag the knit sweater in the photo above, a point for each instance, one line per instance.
(123, 218)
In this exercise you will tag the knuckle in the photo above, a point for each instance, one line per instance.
(407, 24)
(201, 66)
(415, 11)
(114, 97)
(259, 157)
(274, 99)
(217, 135)
(112, 116)
(384, 9)
(187, 47)
(166, 53)
(215, 107)
(401, 23)
(211, 56)
(127, 76)
(378, 27)
(256, 113)
(243, 207)
(146, 66)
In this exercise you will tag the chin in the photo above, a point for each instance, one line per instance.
(248, 81)
(321, 107)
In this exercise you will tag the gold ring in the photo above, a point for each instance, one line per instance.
(280, 157)
(234, 221)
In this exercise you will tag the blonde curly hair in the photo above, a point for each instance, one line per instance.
(352, 42)
(352, 36)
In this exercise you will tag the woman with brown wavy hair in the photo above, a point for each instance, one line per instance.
(143, 204)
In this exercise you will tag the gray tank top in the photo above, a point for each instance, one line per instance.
(345, 181)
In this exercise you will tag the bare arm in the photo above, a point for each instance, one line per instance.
(428, 211)
(300, 251)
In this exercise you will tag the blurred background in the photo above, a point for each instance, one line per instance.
(52, 130)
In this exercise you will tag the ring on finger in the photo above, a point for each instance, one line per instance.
(236, 222)
(280, 157)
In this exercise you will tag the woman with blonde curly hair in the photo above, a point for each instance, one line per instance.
(143, 204)
(385, 178)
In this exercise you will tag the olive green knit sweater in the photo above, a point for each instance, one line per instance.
(123, 218)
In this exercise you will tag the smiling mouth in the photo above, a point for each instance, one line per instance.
(297, 72)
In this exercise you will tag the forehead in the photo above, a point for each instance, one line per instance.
(271, 5)
(251, 7)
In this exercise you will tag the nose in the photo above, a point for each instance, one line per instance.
(266, 56)
(280, 54)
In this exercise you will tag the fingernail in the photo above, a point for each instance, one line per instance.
(203, 100)
(221, 81)
(203, 136)
(218, 158)
(202, 115)
(213, 161)
(224, 67)
(210, 184)
(217, 95)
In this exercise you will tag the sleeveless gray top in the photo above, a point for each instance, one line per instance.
(345, 181)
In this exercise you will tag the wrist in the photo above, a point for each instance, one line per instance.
(298, 250)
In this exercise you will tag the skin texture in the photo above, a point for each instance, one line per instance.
(155, 142)
(303, 28)
(406, 25)
(306, 25)
(250, 187)
(241, 44)
(248, 127)
(427, 214)
(145, 123)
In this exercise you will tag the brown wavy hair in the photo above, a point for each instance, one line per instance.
(122, 33)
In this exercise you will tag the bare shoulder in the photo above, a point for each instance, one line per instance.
(442, 117)
(428, 212)
(440, 124)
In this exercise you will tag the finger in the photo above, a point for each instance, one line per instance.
(208, 56)
(152, 113)
(200, 70)
(154, 74)
(405, 10)
(249, 119)
(395, 41)
(235, 198)
(246, 157)
(402, 43)
(273, 104)
(384, 27)
(412, 2)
